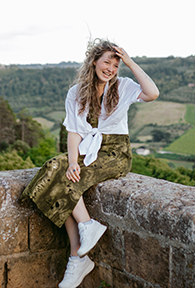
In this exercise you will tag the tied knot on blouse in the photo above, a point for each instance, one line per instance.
(90, 146)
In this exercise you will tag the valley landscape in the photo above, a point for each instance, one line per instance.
(165, 126)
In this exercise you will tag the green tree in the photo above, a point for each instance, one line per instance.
(159, 169)
(159, 135)
(28, 130)
(7, 122)
(21, 147)
(45, 150)
(12, 161)
(63, 138)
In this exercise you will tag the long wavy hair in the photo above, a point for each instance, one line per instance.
(87, 80)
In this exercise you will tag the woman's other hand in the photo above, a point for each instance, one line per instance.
(73, 172)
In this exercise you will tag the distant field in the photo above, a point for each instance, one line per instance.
(187, 165)
(185, 144)
(159, 112)
(176, 164)
(57, 115)
(190, 114)
(44, 122)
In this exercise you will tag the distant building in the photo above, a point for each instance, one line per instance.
(2, 67)
(142, 151)
(191, 85)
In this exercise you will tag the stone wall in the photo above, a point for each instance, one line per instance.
(150, 240)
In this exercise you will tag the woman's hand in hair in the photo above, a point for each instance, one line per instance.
(123, 55)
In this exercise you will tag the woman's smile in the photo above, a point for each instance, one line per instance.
(106, 67)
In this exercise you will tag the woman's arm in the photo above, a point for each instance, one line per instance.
(149, 90)
(73, 171)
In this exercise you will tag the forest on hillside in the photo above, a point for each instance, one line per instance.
(38, 91)
(45, 89)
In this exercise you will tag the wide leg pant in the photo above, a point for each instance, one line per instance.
(56, 196)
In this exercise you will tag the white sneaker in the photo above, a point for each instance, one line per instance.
(76, 271)
(89, 236)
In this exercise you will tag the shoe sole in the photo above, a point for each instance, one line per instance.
(96, 238)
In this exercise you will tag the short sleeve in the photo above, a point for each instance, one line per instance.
(129, 91)
(70, 107)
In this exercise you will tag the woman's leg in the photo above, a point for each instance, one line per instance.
(73, 234)
(77, 268)
(80, 212)
(86, 234)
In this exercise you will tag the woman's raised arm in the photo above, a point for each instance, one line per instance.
(149, 89)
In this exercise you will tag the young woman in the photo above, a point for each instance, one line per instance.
(98, 149)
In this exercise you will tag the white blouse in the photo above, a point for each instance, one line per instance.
(116, 123)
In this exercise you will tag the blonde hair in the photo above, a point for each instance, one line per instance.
(87, 80)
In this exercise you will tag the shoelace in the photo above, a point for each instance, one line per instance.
(70, 267)
(82, 232)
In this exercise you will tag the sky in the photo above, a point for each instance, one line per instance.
(45, 31)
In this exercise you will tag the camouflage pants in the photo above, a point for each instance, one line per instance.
(56, 196)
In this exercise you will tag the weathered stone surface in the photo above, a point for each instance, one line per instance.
(123, 280)
(44, 235)
(159, 206)
(12, 184)
(92, 279)
(109, 249)
(13, 235)
(150, 240)
(183, 268)
(41, 270)
(146, 259)
(2, 274)
(105, 273)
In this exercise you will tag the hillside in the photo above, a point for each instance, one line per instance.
(157, 125)
(44, 89)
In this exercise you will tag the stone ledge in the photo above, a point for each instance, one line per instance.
(150, 228)
(161, 207)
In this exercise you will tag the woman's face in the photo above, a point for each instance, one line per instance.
(106, 67)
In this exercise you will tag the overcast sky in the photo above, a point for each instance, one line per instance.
(45, 31)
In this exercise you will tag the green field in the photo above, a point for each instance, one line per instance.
(44, 122)
(185, 144)
(158, 112)
(175, 163)
(57, 115)
(190, 114)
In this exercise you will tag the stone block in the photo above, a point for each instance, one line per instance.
(114, 200)
(123, 280)
(41, 270)
(109, 249)
(13, 235)
(44, 235)
(183, 268)
(105, 273)
(2, 274)
(146, 259)
(92, 280)
(156, 205)
(2, 195)
(162, 207)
